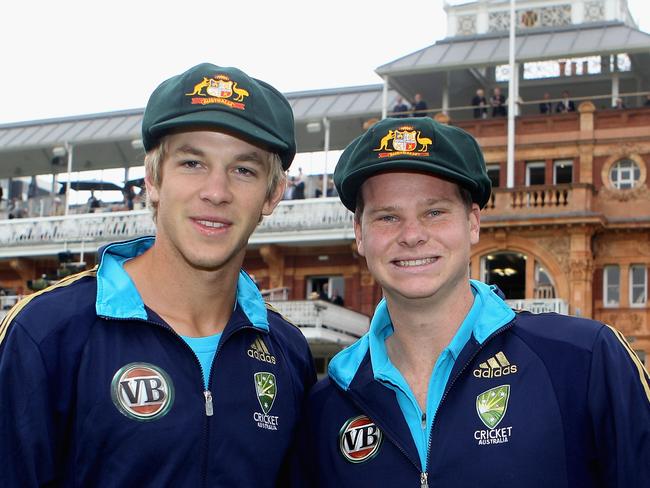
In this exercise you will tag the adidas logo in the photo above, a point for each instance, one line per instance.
(259, 351)
(495, 367)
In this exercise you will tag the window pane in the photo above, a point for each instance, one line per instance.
(493, 171)
(611, 286)
(638, 285)
(563, 173)
(536, 175)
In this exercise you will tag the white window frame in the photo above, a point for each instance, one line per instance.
(643, 285)
(606, 285)
(618, 171)
(562, 162)
(534, 164)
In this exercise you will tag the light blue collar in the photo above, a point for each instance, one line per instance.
(488, 313)
(117, 296)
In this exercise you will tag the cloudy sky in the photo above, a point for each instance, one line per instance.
(71, 57)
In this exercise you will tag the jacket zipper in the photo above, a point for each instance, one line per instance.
(423, 479)
(207, 394)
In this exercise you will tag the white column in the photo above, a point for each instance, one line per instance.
(615, 88)
(69, 149)
(326, 148)
(510, 166)
(384, 99)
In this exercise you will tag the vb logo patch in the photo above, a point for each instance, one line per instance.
(266, 390)
(491, 406)
(359, 439)
(142, 391)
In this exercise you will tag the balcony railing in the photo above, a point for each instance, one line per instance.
(323, 218)
(540, 305)
(321, 321)
(540, 200)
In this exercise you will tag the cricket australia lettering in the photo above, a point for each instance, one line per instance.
(491, 406)
(266, 390)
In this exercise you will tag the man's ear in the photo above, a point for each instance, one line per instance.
(358, 237)
(152, 189)
(275, 197)
(474, 223)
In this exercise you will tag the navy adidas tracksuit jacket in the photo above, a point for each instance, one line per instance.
(97, 391)
(541, 401)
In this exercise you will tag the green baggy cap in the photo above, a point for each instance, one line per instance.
(416, 143)
(223, 98)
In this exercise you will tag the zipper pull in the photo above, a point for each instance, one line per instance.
(424, 480)
(208, 403)
(424, 421)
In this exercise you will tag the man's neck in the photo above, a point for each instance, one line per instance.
(421, 332)
(193, 302)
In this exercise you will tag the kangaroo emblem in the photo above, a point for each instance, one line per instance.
(425, 141)
(199, 87)
(384, 141)
(241, 93)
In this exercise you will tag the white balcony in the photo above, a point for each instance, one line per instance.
(294, 221)
(540, 305)
(324, 322)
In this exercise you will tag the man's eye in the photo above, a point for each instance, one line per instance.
(191, 164)
(435, 213)
(244, 171)
(387, 218)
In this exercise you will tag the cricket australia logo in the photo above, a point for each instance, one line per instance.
(491, 406)
(359, 439)
(403, 141)
(266, 390)
(142, 391)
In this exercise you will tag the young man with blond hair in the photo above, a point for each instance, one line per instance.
(450, 387)
(163, 366)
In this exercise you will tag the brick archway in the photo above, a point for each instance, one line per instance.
(529, 248)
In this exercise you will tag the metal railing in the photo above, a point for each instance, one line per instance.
(323, 321)
(540, 305)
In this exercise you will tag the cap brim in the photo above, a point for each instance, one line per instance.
(222, 120)
(354, 181)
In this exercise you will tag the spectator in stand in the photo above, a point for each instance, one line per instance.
(480, 102)
(546, 107)
(129, 196)
(647, 100)
(336, 299)
(299, 188)
(400, 108)
(498, 102)
(291, 186)
(419, 106)
(619, 104)
(566, 104)
(93, 203)
(331, 191)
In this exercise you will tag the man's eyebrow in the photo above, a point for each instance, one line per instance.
(252, 157)
(189, 149)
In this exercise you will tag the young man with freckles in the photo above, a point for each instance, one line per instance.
(163, 366)
(450, 387)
